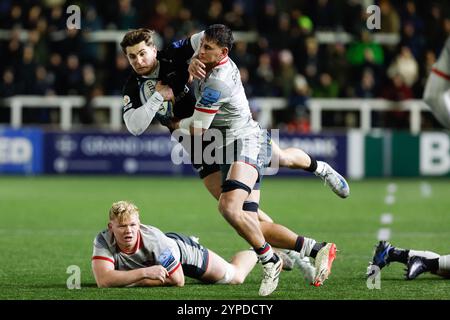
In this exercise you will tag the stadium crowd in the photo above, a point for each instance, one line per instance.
(286, 59)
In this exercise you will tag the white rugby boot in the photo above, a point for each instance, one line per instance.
(271, 275)
(334, 180)
(323, 263)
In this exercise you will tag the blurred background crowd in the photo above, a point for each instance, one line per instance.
(285, 58)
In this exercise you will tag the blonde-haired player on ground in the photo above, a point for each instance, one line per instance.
(129, 253)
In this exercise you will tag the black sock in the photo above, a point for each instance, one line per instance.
(399, 255)
(316, 249)
(432, 264)
(299, 243)
(313, 166)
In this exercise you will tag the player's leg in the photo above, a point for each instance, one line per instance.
(222, 272)
(235, 190)
(213, 182)
(295, 158)
(419, 264)
(385, 253)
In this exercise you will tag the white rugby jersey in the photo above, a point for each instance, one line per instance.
(442, 65)
(153, 248)
(221, 95)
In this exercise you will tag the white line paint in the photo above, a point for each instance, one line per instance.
(392, 188)
(390, 199)
(425, 190)
(386, 218)
(384, 234)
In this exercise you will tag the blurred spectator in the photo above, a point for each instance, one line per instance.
(285, 74)
(300, 95)
(366, 87)
(14, 49)
(241, 56)
(389, 17)
(312, 62)
(73, 76)
(338, 67)
(405, 66)
(357, 55)
(88, 90)
(43, 85)
(264, 76)
(434, 31)
(127, 17)
(26, 71)
(40, 45)
(350, 17)
(57, 74)
(410, 16)
(396, 89)
(118, 75)
(8, 86)
(412, 39)
(245, 77)
(327, 87)
(14, 19)
(324, 15)
(236, 18)
(215, 13)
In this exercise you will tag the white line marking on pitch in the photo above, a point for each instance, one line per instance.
(425, 190)
(386, 218)
(392, 188)
(384, 234)
(390, 199)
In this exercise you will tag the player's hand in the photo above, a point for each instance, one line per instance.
(197, 69)
(165, 91)
(156, 273)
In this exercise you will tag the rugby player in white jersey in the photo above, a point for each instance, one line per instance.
(222, 105)
(437, 88)
(139, 111)
(416, 261)
(129, 253)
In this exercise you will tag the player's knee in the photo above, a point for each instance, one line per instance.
(228, 208)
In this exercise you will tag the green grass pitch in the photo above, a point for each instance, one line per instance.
(49, 223)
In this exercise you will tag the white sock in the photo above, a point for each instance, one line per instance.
(425, 254)
(266, 256)
(308, 244)
(320, 167)
(444, 263)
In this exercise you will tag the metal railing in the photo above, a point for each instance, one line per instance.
(265, 106)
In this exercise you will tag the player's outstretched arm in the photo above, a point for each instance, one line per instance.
(107, 277)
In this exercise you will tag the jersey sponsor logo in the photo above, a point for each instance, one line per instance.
(210, 96)
(166, 258)
(179, 43)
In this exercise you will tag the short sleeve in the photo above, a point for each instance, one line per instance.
(101, 250)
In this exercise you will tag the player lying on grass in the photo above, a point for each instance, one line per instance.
(416, 261)
(437, 88)
(128, 245)
(129, 253)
